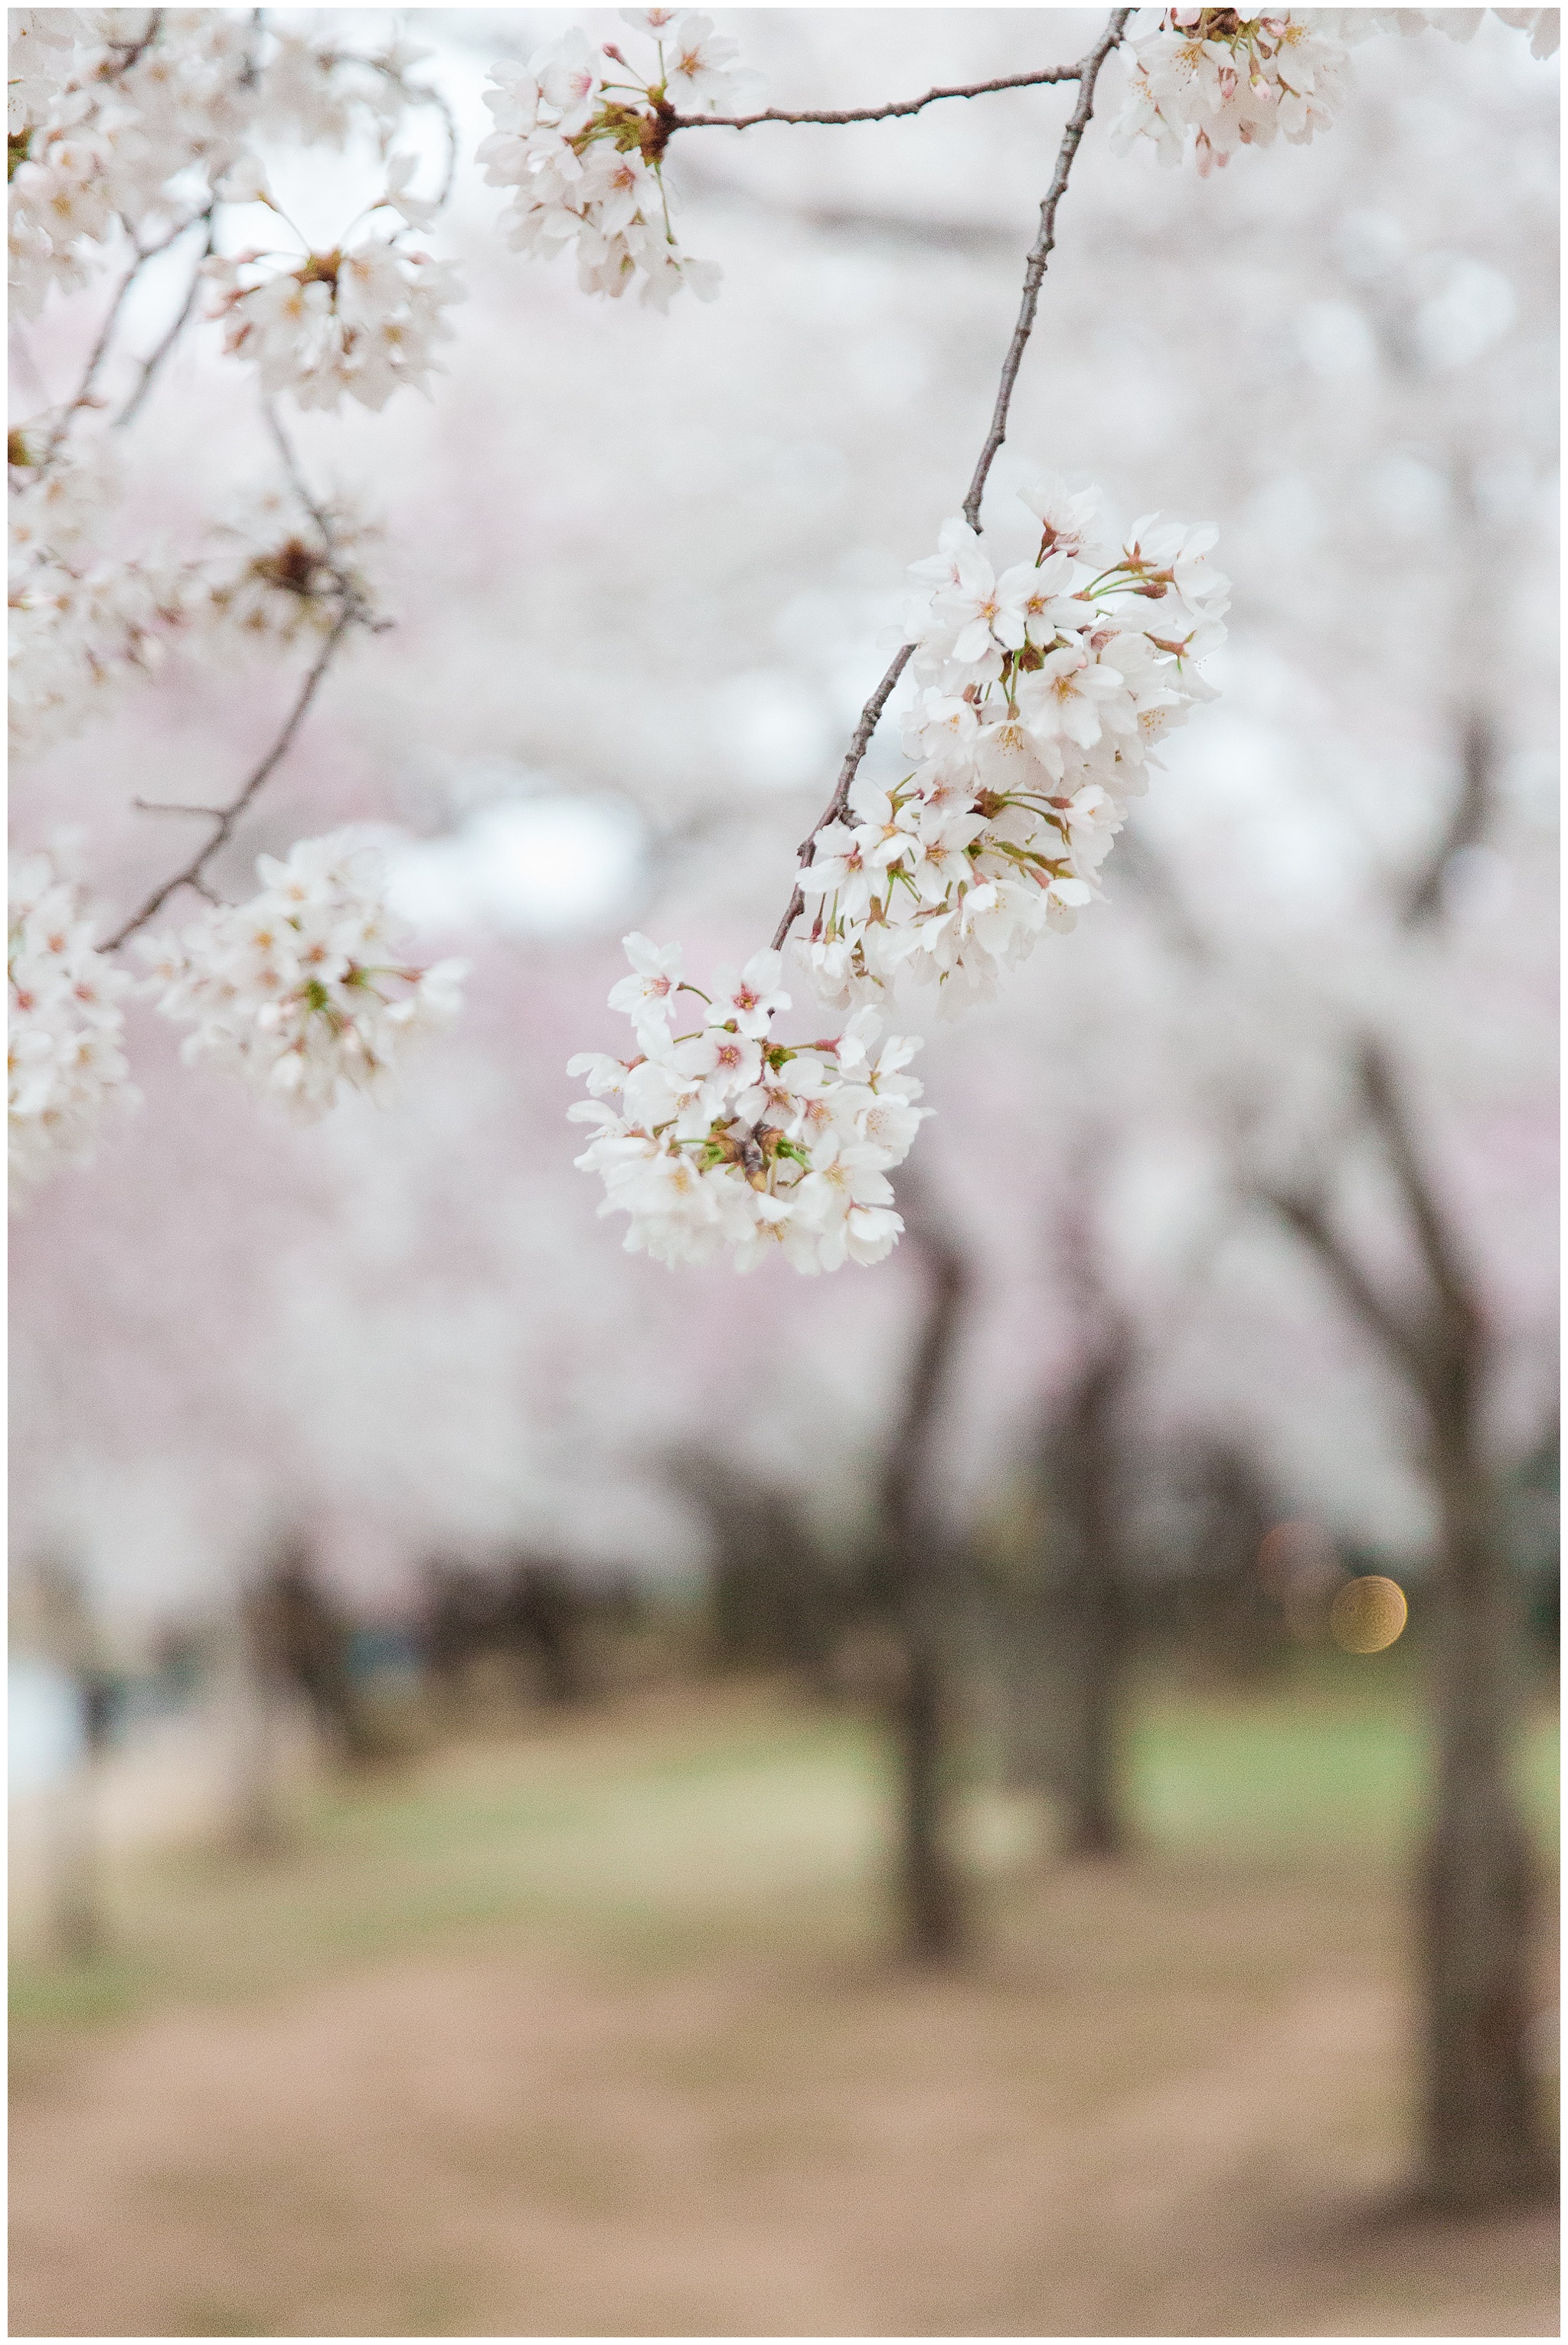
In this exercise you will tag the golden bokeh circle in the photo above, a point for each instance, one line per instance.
(1368, 1614)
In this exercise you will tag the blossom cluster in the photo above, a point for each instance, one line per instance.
(1043, 688)
(82, 622)
(358, 323)
(580, 139)
(1229, 81)
(64, 1060)
(85, 620)
(301, 992)
(277, 577)
(718, 1140)
(1205, 81)
(121, 118)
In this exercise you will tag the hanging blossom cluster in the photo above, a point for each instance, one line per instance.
(358, 321)
(88, 621)
(1044, 686)
(718, 1140)
(301, 993)
(1213, 80)
(1205, 81)
(82, 623)
(65, 1057)
(134, 118)
(581, 138)
(277, 577)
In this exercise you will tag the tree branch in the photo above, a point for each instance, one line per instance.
(151, 365)
(1085, 73)
(1041, 253)
(1306, 1215)
(193, 874)
(670, 122)
(1467, 823)
(1450, 1283)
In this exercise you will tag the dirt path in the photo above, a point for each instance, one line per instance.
(503, 2144)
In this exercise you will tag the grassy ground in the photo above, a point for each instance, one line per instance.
(590, 2030)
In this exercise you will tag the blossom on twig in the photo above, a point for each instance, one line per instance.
(300, 991)
(720, 1140)
(582, 146)
(1044, 687)
(66, 1065)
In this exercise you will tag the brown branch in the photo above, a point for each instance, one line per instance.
(1468, 822)
(151, 365)
(1307, 1216)
(1456, 1299)
(1085, 73)
(193, 874)
(1033, 274)
(670, 122)
(839, 802)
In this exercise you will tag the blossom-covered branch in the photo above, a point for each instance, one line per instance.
(1043, 689)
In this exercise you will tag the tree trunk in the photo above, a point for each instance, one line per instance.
(930, 1887)
(917, 1563)
(1090, 1787)
(1482, 2141)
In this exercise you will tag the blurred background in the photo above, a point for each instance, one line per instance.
(555, 1797)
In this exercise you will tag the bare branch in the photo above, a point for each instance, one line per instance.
(1307, 1216)
(194, 873)
(1033, 274)
(670, 122)
(1467, 823)
(151, 365)
(1085, 73)
(1450, 1283)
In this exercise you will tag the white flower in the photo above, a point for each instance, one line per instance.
(65, 1059)
(645, 995)
(582, 152)
(299, 991)
(358, 324)
(1040, 689)
(1229, 81)
(726, 1143)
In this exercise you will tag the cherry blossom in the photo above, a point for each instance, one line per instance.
(65, 1063)
(358, 323)
(721, 1140)
(1232, 80)
(1043, 690)
(300, 991)
(581, 146)
(83, 622)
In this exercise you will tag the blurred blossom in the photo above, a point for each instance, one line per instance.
(1474, 309)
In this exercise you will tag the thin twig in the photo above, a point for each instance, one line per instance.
(151, 365)
(1033, 274)
(144, 252)
(193, 874)
(839, 801)
(671, 122)
(1085, 73)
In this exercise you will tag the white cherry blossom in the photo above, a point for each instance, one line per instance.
(301, 992)
(65, 1063)
(721, 1140)
(1043, 688)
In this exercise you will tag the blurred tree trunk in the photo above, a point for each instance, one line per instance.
(919, 1563)
(1481, 2142)
(1088, 1480)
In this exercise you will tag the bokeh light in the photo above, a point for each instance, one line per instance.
(1367, 1615)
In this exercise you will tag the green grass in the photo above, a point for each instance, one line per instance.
(642, 1837)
